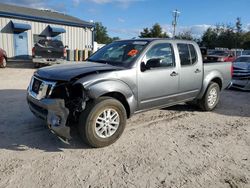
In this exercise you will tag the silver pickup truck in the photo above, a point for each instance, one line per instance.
(121, 79)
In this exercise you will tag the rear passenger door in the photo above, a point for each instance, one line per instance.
(191, 71)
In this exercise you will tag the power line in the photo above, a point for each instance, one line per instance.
(176, 14)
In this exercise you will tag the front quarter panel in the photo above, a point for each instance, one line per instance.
(124, 82)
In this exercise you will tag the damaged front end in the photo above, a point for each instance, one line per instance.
(58, 103)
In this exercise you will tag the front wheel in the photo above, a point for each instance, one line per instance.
(102, 122)
(211, 97)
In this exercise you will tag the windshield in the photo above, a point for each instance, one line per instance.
(120, 53)
(243, 59)
(219, 53)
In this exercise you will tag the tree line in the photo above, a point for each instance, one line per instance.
(222, 35)
(226, 36)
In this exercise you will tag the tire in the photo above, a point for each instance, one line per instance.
(211, 98)
(4, 63)
(90, 129)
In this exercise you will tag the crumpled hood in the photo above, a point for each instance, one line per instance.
(242, 65)
(68, 71)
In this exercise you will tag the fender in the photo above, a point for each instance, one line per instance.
(207, 79)
(101, 87)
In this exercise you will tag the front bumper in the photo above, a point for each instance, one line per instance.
(54, 112)
(241, 84)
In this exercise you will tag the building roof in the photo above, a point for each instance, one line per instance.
(46, 16)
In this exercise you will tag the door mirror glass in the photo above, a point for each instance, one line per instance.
(153, 63)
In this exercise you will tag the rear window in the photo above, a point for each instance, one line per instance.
(50, 43)
(187, 53)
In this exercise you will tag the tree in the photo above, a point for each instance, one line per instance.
(145, 33)
(227, 36)
(209, 38)
(101, 34)
(246, 40)
(154, 32)
(186, 35)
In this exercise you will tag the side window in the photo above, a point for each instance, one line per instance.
(163, 53)
(187, 54)
(193, 55)
(184, 54)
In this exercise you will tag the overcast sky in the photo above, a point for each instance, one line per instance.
(126, 18)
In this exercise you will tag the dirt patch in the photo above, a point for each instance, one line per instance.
(174, 147)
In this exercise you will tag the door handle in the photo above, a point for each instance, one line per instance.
(197, 71)
(174, 74)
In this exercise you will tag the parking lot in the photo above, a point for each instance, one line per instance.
(179, 146)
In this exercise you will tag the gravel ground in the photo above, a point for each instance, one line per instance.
(174, 147)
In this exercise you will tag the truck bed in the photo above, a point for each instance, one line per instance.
(222, 69)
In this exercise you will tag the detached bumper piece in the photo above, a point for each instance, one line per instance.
(242, 84)
(241, 79)
(54, 112)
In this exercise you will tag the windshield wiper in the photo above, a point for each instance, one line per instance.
(98, 61)
(112, 63)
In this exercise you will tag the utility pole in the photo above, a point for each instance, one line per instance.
(174, 23)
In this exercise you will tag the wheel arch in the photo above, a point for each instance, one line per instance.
(115, 89)
(218, 81)
(214, 76)
(121, 98)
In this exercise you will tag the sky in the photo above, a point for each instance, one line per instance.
(126, 18)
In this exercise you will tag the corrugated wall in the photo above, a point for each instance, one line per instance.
(75, 37)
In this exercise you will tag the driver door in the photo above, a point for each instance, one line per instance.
(158, 84)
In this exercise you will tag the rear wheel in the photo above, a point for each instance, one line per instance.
(211, 97)
(4, 63)
(102, 122)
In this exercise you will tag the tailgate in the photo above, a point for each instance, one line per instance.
(49, 49)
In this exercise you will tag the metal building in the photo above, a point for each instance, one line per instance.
(21, 28)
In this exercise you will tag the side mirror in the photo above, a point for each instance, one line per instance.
(143, 67)
(153, 63)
